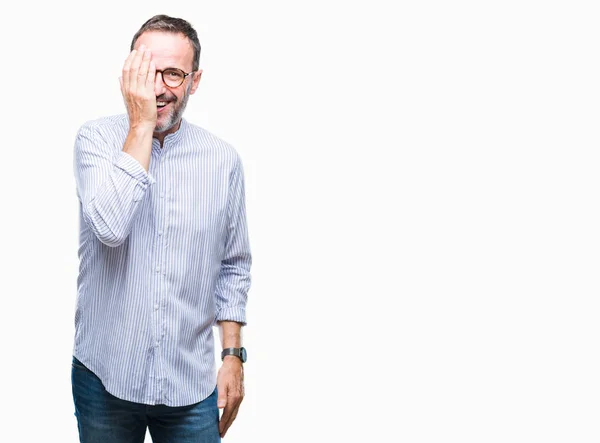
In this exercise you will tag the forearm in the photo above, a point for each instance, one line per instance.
(111, 184)
(111, 209)
(138, 144)
(234, 277)
(111, 213)
(230, 333)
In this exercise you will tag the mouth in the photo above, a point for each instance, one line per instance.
(162, 105)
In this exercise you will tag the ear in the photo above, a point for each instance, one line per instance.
(196, 80)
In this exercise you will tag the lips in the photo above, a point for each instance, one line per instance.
(162, 105)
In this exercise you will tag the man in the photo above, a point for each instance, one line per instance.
(164, 257)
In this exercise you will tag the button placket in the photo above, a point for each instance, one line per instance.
(158, 262)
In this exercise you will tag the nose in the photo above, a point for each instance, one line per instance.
(159, 85)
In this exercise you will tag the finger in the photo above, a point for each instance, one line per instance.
(151, 79)
(127, 67)
(222, 398)
(135, 67)
(229, 422)
(225, 418)
(143, 70)
(123, 93)
(234, 399)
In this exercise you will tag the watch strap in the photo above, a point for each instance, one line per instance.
(238, 352)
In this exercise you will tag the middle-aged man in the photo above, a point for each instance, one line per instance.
(164, 257)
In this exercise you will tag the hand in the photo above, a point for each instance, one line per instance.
(230, 385)
(137, 87)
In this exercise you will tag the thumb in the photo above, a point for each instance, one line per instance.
(222, 399)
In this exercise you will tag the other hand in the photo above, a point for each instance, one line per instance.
(230, 385)
(137, 87)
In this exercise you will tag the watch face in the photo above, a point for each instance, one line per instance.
(243, 355)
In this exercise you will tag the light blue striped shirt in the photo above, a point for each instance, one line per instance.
(163, 256)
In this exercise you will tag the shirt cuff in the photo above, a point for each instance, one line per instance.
(236, 313)
(133, 167)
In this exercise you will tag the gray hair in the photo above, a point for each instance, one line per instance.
(164, 23)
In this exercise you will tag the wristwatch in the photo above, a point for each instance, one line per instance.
(238, 352)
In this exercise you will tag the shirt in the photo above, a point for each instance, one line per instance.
(163, 255)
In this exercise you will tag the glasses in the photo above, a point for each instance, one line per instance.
(173, 77)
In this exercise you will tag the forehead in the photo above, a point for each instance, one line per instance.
(169, 50)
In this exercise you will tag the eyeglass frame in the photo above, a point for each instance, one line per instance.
(174, 69)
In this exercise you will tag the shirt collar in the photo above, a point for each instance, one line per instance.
(175, 137)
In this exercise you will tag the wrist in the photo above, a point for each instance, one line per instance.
(232, 360)
(142, 128)
(237, 353)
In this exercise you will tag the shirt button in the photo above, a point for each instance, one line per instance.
(159, 232)
(162, 195)
(156, 307)
(158, 269)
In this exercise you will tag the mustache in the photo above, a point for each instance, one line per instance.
(166, 98)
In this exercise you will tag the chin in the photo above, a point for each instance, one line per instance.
(164, 127)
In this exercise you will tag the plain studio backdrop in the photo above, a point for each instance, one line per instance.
(422, 192)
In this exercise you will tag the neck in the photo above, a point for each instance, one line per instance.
(160, 136)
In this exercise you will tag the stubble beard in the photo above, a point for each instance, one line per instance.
(172, 118)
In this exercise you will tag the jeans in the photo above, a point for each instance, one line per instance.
(104, 418)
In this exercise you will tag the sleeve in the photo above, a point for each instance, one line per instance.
(234, 277)
(110, 185)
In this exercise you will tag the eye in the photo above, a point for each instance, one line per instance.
(173, 74)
